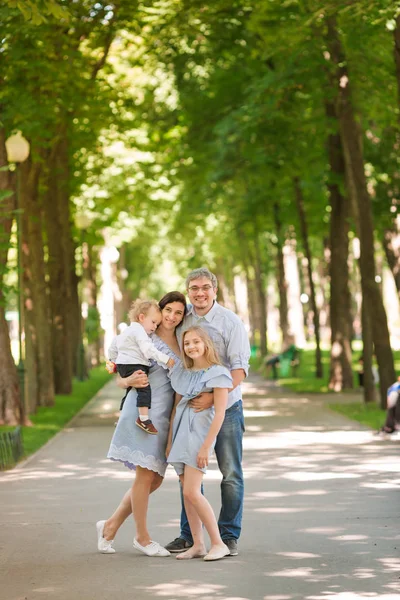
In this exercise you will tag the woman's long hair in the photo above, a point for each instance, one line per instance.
(210, 352)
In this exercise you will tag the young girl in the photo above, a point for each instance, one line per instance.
(192, 435)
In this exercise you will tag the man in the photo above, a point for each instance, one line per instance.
(229, 335)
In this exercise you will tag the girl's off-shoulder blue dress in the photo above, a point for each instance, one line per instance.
(190, 428)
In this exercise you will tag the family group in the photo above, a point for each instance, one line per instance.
(181, 367)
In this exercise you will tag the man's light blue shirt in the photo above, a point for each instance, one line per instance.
(229, 335)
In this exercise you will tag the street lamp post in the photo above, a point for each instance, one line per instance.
(17, 152)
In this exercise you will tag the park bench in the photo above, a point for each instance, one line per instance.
(289, 366)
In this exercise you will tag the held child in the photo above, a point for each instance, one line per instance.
(192, 435)
(132, 350)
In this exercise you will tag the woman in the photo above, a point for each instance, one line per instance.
(137, 450)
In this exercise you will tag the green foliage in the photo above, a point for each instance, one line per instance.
(92, 325)
(186, 124)
(36, 11)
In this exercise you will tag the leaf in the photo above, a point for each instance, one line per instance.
(5, 194)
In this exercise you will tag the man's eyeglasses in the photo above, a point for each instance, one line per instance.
(203, 288)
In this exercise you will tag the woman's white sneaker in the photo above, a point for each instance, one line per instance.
(152, 549)
(103, 546)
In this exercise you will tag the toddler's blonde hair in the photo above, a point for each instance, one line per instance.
(210, 352)
(142, 307)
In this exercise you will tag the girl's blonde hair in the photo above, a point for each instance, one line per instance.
(210, 352)
(142, 307)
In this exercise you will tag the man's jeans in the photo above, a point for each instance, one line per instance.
(228, 450)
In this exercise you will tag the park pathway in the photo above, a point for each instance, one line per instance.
(321, 520)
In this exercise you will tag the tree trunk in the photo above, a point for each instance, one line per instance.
(369, 390)
(11, 403)
(36, 310)
(90, 296)
(76, 309)
(313, 301)
(252, 307)
(323, 285)
(367, 355)
(281, 279)
(58, 276)
(341, 375)
(391, 246)
(396, 52)
(223, 270)
(261, 296)
(354, 160)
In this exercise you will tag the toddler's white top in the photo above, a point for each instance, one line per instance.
(134, 347)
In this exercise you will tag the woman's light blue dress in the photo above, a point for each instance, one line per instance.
(132, 446)
(190, 428)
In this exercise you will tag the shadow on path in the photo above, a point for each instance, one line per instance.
(321, 513)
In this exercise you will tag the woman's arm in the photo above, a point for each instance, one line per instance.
(220, 402)
(178, 398)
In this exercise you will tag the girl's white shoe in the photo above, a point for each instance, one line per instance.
(103, 546)
(152, 549)
(217, 553)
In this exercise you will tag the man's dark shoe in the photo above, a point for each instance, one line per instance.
(178, 545)
(233, 547)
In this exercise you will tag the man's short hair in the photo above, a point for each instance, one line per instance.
(202, 272)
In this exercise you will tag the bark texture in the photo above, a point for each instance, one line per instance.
(36, 302)
(59, 276)
(367, 356)
(11, 403)
(261, 296)
(90, 296)
(252, 306)
(352, 145)
(391, 246)
(281, 278)
(341, 374)
(396, 53)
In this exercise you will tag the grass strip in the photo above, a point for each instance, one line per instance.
(368, 414)
(49, 420)
(305, 380)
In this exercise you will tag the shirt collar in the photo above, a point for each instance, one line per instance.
(208, 316)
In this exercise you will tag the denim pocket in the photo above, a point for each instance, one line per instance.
(234, 408)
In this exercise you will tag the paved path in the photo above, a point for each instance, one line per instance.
(321, 513)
